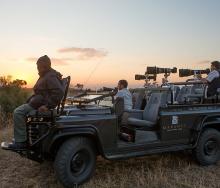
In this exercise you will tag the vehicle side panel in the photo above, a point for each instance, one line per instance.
(102, 128)
(179, 123)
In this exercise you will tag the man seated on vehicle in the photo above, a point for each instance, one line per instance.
(124, 93)
(165, 83)
(48, 91)
(147, 83)
(213, 79)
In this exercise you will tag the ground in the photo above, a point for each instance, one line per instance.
(167, 170)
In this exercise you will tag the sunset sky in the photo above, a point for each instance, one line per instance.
(98, 42)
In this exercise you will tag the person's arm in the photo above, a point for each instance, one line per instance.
(29, 98)
(119, 94)
(204, 80)
(211, 76)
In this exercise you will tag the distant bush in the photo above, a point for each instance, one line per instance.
(12, 94)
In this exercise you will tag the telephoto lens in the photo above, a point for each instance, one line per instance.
(157, 70)
(140, 77)
(190, 72)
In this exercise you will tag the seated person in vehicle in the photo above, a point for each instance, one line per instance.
(48, 92)
(213, 79)
(124, 93)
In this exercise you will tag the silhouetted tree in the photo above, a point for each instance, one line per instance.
(6, 81)
(12, 93)
(18, 83)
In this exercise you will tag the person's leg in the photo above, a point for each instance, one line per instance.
(126, 132)
(19, 118)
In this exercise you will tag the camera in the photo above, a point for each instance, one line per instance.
(157, 70)
(151, 73)
(190, 72)
(144, 77)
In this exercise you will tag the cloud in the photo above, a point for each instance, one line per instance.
(85, 53)
(54, 61)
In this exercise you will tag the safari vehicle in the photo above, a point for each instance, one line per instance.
(77, 134)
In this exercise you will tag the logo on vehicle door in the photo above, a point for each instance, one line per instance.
(174, 120)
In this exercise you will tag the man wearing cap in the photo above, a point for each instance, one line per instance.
(213, 79)
(48, 91)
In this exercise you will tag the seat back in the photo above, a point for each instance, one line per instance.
(176, 90)
(151, 110)
(119, 106)
(138, 100)
(66, 83)
(184, 91)
(197, 89)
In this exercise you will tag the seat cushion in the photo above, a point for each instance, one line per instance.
(133, 113)
(140, 123)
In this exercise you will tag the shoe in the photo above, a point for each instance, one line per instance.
(16, 146)
(126, 137)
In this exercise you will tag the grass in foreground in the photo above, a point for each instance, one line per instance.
(156, 171)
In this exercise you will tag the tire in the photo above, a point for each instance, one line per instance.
(207, 151)
(75, 161)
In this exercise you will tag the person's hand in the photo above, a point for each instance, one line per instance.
(42, 108)
(115, 90)
(203, 80)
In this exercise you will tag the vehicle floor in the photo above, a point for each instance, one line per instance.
(140, 137)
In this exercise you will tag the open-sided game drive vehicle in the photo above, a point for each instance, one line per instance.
(76, 134)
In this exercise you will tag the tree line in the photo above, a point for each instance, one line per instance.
(12, 93)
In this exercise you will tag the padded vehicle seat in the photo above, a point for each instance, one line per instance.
(150, 113)
(176, 90)
(140, 122)
(138, 100)
(119, 106)
(182, 95)
(194, 94)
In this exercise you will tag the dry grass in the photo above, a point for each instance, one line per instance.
(167, 171)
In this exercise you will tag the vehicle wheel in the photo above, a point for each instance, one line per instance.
(207, 151)
(75, 161)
